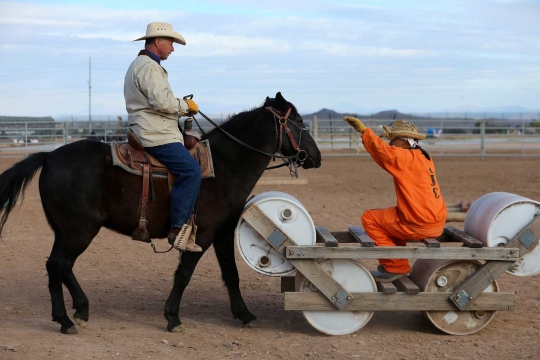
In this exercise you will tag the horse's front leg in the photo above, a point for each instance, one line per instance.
(224, 248)
(182, 276)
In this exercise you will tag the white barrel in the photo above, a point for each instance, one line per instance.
(354, 277)
(496, 218)
(291, 217)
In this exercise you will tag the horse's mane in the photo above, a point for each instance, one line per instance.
(232, 118)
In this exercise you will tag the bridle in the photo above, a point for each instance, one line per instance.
(282, 121)
(294, 161)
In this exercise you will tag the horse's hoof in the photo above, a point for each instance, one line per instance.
(70, 331)
(178, 329)
(80, 322)
(253, 324)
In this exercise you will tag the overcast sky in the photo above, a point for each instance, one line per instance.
(349, 56)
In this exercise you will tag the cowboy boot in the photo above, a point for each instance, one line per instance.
(181, 240)
(191, 245)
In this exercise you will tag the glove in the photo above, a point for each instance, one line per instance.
(193, 109)
(355, 123)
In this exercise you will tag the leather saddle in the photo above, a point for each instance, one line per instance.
(131, 156)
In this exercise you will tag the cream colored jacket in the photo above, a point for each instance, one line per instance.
(153, 111)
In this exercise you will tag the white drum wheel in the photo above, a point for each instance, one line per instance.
(496, 218)
(354, 277)
(290, 216)
(446, 276)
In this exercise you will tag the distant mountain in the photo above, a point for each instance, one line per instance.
(501, 118)
(326, 114)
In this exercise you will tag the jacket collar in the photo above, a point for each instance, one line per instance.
(149, 54)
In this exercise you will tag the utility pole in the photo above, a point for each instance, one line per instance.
(90, 94)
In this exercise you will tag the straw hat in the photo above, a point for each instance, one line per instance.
(160, 29)
(402, 129)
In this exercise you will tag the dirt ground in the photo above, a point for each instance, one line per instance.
(127, 285)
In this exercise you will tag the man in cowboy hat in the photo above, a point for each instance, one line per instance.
(420, 212)
(153, 117)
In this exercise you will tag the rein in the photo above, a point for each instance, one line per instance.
(291, 161)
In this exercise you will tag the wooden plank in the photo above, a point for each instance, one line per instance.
(324, 236)
(491, 270)
(288, 284)
(406, 285)
(361, 236)
(378, 301)
(462, 236)
(345, 237)
(454, 206)
(387, 288)
(282, 181)
(455, 216)
(261, 223)
(334, 292)
(401, 252)
(431, 243)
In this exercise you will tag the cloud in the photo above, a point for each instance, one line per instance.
(319, 52)
(344, 50)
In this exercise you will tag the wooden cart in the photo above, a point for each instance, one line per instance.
(454, 286)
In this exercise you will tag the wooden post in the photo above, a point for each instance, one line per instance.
(315, 128)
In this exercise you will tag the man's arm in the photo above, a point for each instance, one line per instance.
(157, 90)
(390, 158)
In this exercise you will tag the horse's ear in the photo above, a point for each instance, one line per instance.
(279, 97)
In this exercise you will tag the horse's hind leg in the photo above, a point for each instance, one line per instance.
(60, 270)
(224, 248)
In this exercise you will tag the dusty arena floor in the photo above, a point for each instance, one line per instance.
(127, 285)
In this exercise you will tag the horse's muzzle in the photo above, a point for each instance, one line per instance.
(309, 163)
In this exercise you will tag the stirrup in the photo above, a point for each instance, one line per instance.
(181, 240)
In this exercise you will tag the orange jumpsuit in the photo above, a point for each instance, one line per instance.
(420, 212)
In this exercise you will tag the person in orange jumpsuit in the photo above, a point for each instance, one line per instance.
(420, 212)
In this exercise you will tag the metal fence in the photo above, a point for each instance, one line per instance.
(446, 137)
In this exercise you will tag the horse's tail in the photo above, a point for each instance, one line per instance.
(13, 182)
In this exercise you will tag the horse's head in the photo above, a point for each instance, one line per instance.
(294, 138)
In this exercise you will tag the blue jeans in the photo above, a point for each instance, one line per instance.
(186, 186)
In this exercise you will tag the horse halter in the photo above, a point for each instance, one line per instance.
(301, 155)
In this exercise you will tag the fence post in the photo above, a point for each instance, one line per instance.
(315, 128)
(331, 134)
(26, 139)
(522, 135)
(65, 133)
(482, 138)
(105, 130)
(441, 138)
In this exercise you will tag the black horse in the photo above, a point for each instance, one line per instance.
(81, 191)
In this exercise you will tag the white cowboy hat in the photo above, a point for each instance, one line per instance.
(160, 29)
